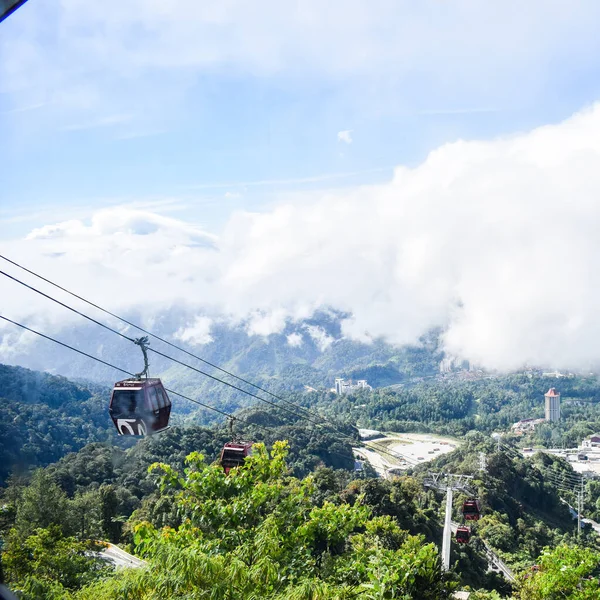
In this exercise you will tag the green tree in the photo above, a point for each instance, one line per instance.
(46, 564)
(86, 515)
(259, 533)
(109, 511)
(565, 573)
(42, 503)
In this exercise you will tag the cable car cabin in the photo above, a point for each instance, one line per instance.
(234, 454)
(471, 510)
(139, 406)
(463, 535)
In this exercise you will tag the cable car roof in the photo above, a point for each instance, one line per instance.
(138, 384)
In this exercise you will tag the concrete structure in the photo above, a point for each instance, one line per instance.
(521, 427)
(453, 363)
(370, 434)
(119, 558)
(345, 387)
(592, 442)
(552, 399)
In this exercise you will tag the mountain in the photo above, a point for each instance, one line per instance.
(261, 530)
(312, 352)
(43, 417)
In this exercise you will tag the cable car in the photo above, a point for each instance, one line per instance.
(471, 510)
(463, 535)
(139, 406)
(234, 454)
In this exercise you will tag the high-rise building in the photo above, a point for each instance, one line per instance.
(345, 387)
(552, 398)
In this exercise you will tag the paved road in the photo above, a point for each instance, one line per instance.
(594, 525)
(377, 461)
(120, 558)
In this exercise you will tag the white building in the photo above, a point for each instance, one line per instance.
(453, 363)
(591, 442)
(345, 387)
(552, 404)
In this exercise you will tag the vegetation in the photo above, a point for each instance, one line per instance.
(259, 534)
(43, 417)
(296, 523)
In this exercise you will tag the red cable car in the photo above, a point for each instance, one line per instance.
(471, 510)
(463, 535)
(234, 454)
(139, 406)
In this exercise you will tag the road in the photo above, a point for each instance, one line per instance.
(119, 558)
(379, 463)
(593, 524)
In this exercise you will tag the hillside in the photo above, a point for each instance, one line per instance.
(43, 417)
(305, 492)
(261, 530)
(312, 352)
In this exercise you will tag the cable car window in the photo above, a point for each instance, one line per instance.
(165, 397)
(125, 402)
(153, 395)
(160, 397)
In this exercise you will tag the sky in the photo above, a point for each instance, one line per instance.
(417, 164)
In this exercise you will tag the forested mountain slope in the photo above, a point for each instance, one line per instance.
(263, 533)
(312, 352)
(43, 417)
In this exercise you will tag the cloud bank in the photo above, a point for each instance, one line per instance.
(495, 241)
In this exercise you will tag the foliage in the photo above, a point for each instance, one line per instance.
(563, 573)
(42, 417)
(257, 534)
(46, 564)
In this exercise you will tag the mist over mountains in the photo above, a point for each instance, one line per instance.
(311, 352)
(495, 242)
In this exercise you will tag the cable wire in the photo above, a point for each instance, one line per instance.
(382, 449)
(47, 337)
(558, 480)
(153, 335)
(129, 339)
(170, 391)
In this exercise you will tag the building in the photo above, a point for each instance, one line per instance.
(552, 398)
(453, 363)
(345, 387)
(521, 427)
(592, 442)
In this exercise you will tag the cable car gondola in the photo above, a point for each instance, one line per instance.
(140, 406)
(463, 535)
(234, 454)
(471, 510)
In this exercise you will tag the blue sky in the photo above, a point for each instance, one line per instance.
(400, 161)
(180, 105)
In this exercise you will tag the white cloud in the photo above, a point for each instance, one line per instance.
(345, 136)
(232, 195)
(320, 337)
(198, 333)
(497, 241)
(265, 323)
(294, 340)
